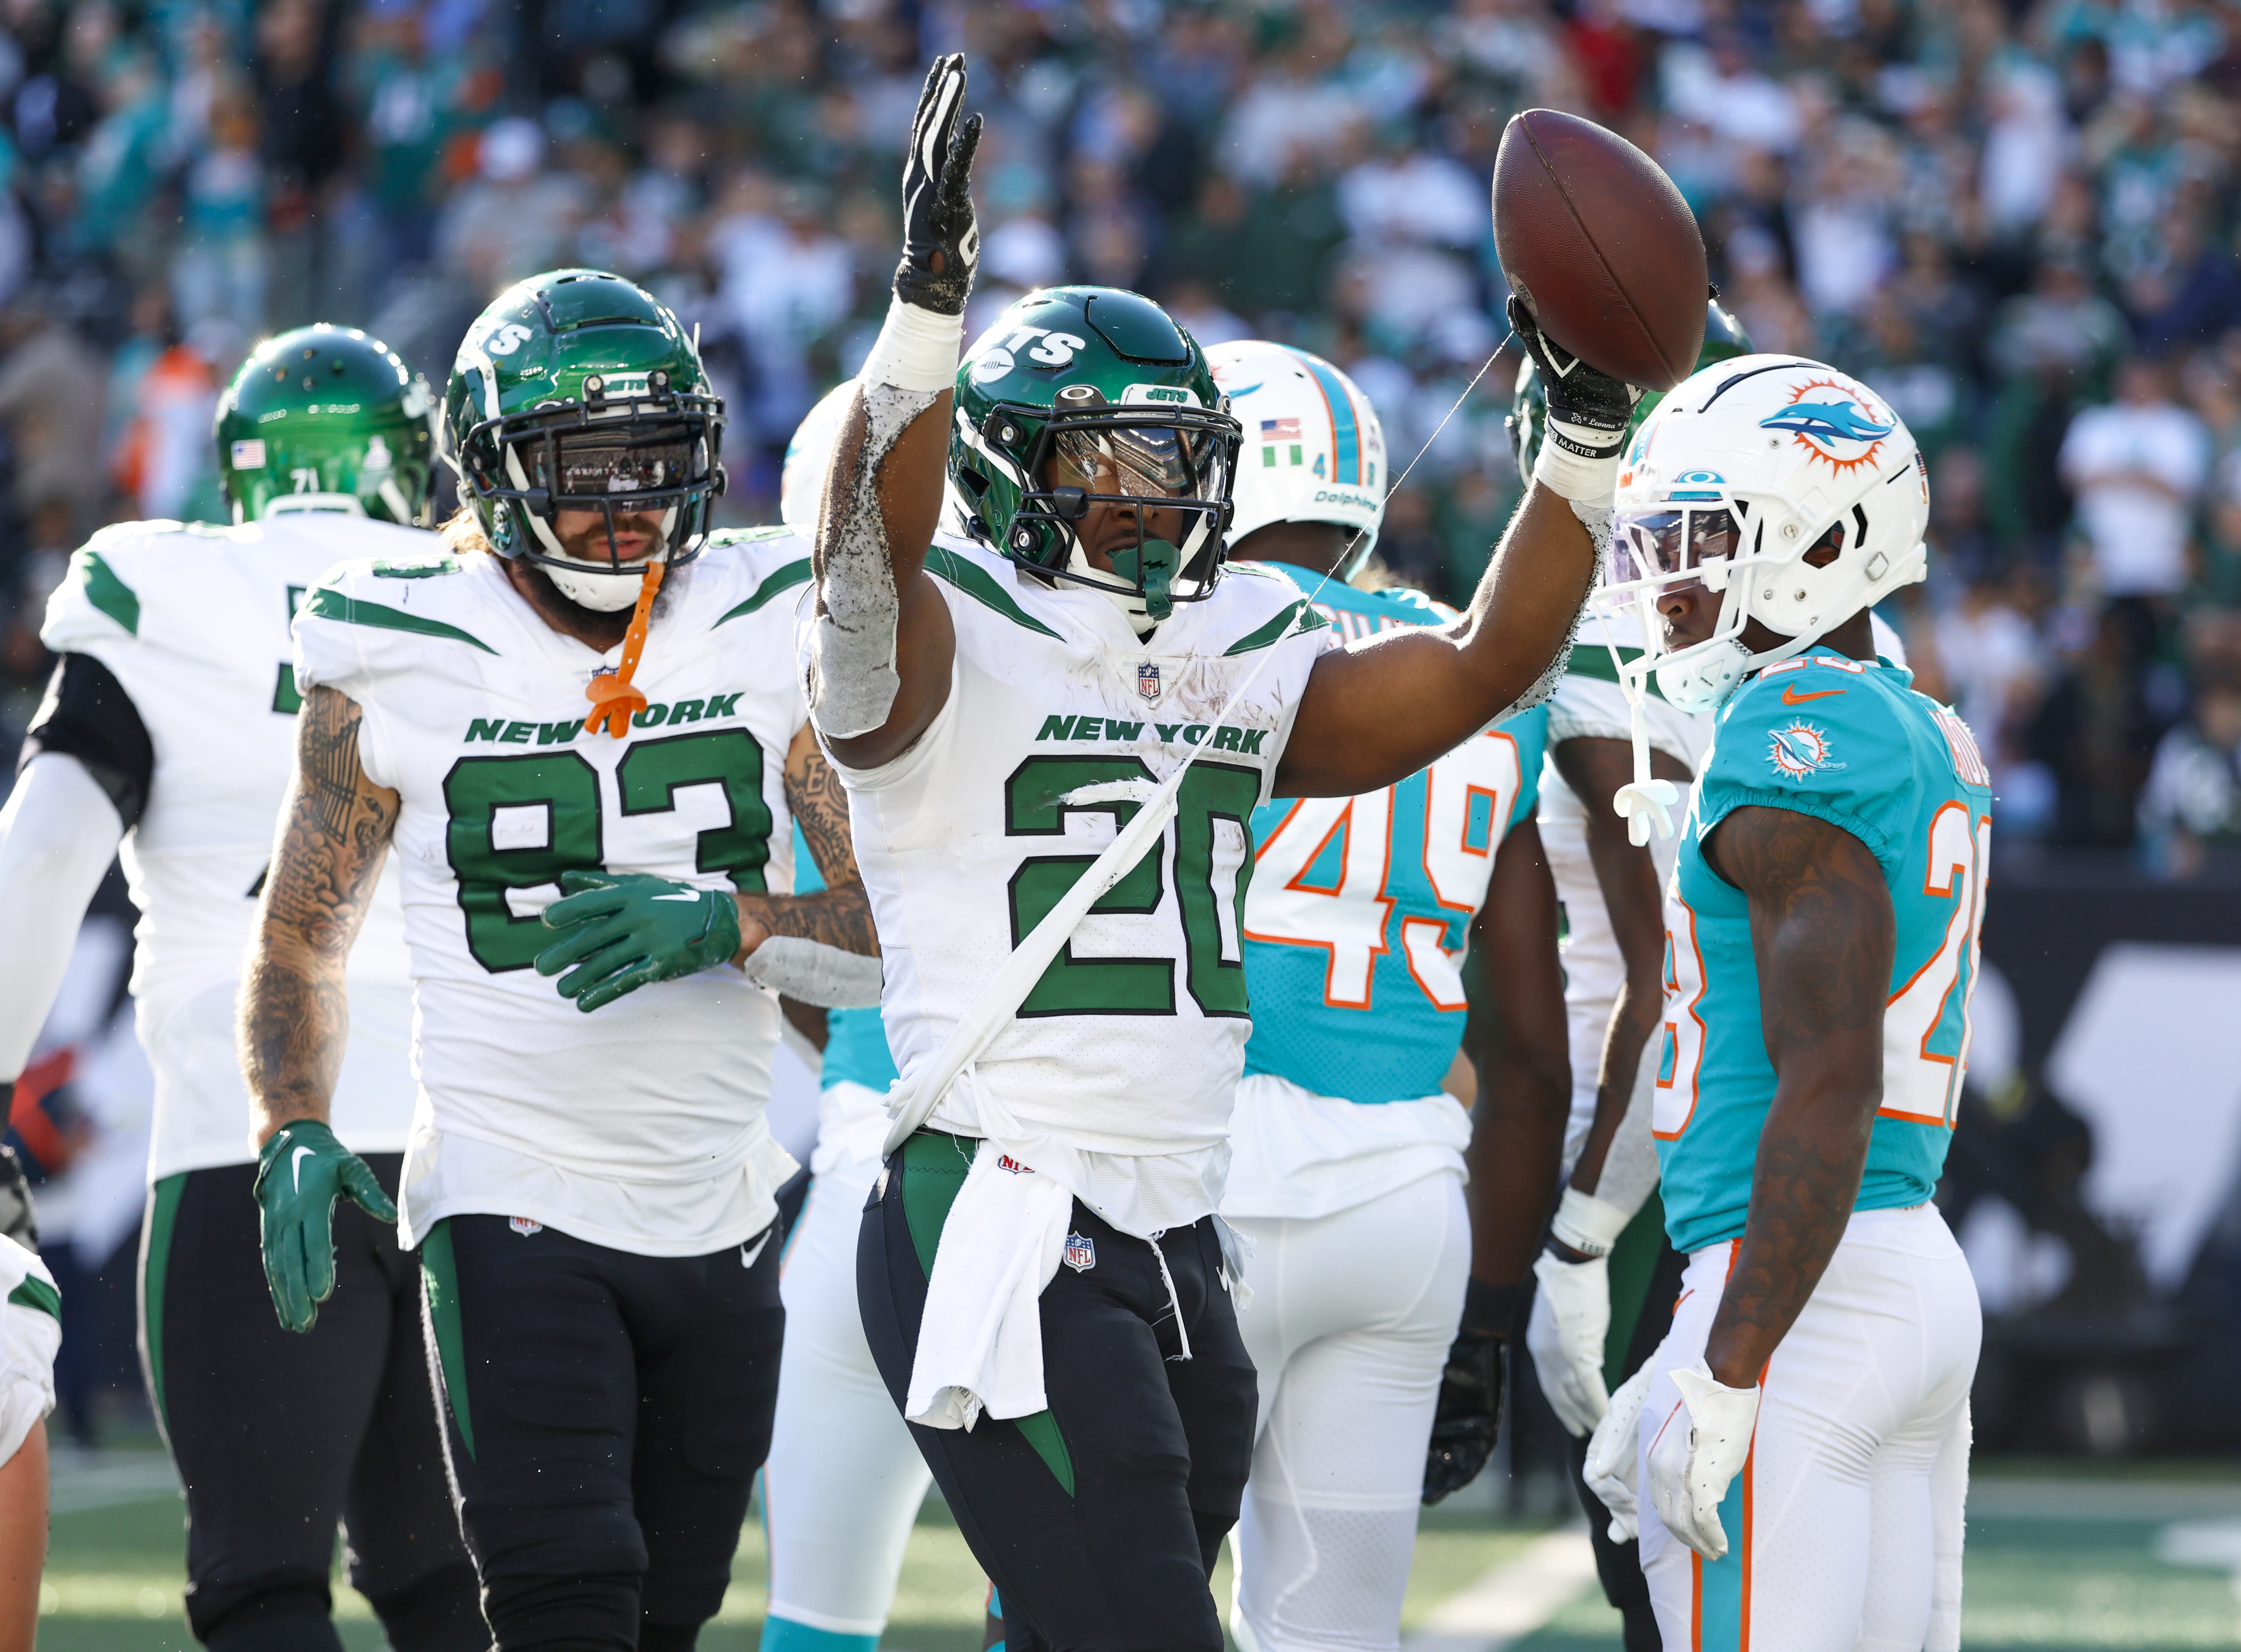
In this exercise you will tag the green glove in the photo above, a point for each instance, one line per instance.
(623, 930)
(300, 1174)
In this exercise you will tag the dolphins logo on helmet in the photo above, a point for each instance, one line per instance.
(1836, 430)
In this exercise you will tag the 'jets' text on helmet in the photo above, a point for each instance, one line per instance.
(1312, 449)
(577, 391)
(1789, 487)
(1081, 397)
(1724, 340)
(325, 418)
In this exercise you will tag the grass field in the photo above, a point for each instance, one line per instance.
(2059, 1558)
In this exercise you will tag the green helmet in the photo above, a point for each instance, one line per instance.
(1082, 396)
(325, 418)
(580, 391)
(1724, 339)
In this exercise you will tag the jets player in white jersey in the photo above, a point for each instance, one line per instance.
(590, 1193)
(1043, 1259)
(30, 1332)
(170, 724)
(1349, 1160)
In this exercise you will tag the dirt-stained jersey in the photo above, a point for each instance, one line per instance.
(193, 622)
(640, 1125)
(1059, 722)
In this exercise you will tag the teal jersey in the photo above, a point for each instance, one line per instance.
(1852, 744)
(1356, 918)
(855, 1040)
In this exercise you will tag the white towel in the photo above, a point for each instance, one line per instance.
(980, 1342)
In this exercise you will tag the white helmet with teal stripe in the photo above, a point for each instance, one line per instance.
(1313, 450)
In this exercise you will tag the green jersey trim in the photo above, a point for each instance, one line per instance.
(1594, 660)
(327, 603)
(976, 582)
(1302, 610)
(439, 1275)
(155, 1278)
(793, 574)
(108, 592)
(748, 535)
(36, 1293)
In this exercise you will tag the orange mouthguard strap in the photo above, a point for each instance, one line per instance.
(614, 701)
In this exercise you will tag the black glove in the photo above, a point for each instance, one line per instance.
(1469, 1419)
(941, 244)
(19, 1220)
(1588, 409)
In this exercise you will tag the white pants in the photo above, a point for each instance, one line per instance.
(1845, 1525)
(1349, 1326)
(844, 1480)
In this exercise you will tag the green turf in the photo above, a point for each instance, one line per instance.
(2061, 1558)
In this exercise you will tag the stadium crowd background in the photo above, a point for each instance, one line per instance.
(2016, 221)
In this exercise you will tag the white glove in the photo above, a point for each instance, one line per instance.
(1571, 1317)
(1691, 1465)
(1614, 1453)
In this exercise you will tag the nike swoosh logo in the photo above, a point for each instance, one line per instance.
(1791, 697)
(296, 1165)
(748, 1257)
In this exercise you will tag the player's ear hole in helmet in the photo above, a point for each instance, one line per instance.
(1092, 446)
(325, 418)
(579, 393)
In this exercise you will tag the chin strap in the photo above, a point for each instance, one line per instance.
(614, 701)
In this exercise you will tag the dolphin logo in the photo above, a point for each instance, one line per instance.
(1827, 423)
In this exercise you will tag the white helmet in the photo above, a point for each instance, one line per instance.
(809, 461)
(1744, 470)
(1313, 450)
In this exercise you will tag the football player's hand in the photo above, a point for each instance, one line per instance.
(941, 243)
(1468, 1417)
(620, 931)
(1588, 409)
(1614, 1454)
(1571, 1317)
(1699, 1450)
(301, 1172)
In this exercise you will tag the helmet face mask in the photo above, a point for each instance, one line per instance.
(577, 393)
(1779, 485)
(1086, 405)
(324, 418)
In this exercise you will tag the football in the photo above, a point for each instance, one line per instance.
(1600, 247)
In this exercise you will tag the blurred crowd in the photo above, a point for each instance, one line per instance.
(2015, 218)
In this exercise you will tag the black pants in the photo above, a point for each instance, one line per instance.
(605, 1415)
(277, 1435)
(1097, 1521)
(1618, 1565)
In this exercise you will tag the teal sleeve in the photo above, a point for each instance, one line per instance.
(807, 879)
(1835, 751)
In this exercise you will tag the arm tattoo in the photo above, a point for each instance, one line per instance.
(1822, 935)
(840, 914)
(335, 826)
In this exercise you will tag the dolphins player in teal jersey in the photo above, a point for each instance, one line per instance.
(1802, 1435)
(1349, 1158)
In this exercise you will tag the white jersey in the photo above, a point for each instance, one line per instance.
(638, 1126)
(193, 622)
(1123, 1061)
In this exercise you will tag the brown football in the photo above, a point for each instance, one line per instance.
(1600, 245)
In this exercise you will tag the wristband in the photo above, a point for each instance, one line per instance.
(1590, 1226)
(916, 350)
(1577, 462)
(1490, 1310)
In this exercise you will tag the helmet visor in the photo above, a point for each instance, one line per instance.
(1659, 545)
(1139, 462)
(591, 463)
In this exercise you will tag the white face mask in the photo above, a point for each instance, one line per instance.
(601, 591)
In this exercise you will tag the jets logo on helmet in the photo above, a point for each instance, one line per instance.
(324, 419)
(578, 392)
(1314, 450)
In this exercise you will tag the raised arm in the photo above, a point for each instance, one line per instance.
(1822, 934)
(1516, 1037)
(1384, 707)
(881, 642)
(293, 1019)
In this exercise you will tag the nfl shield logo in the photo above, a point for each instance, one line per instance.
(523, 1225)
(1081, 1253)
(1148, 681)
